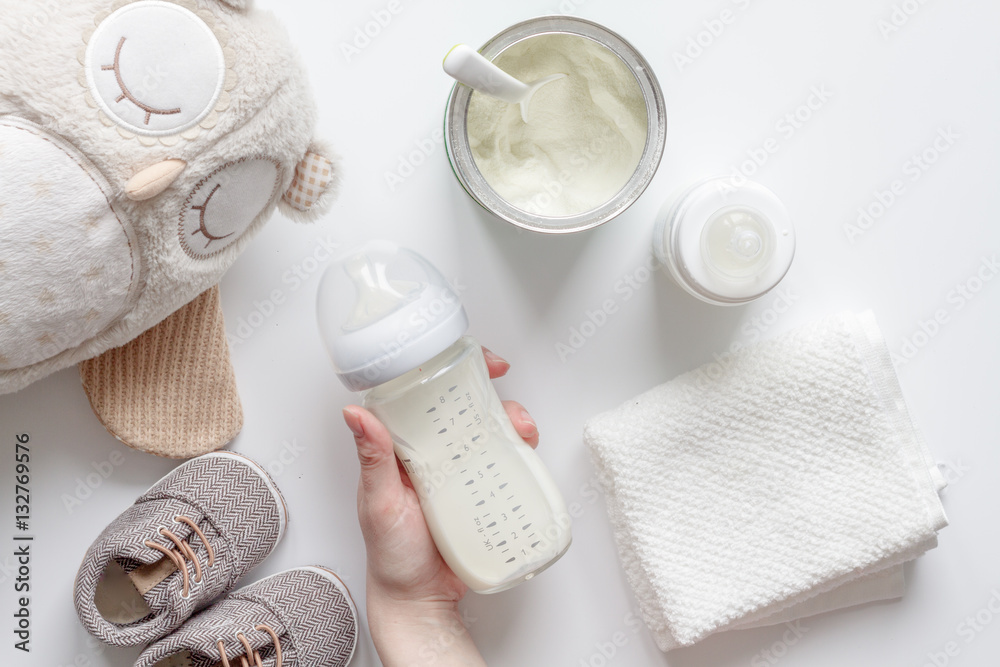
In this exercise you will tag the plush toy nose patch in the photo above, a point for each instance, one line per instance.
(69, 263)
(313, 177)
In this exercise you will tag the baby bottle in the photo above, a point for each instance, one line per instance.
(395, 331)
(724, 242)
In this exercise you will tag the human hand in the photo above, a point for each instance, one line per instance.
(412, 594)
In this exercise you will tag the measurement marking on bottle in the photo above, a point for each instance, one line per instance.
(480, 503)
(496, 533)
(535, 544)
(475, 492)
(469, 425)
(436, 420)
(490, 466)
(453, 388)
(444, 430)
(512, 498)
(492, 524)
(431, 410)
(504, 485)
(521, 517)
(526, 526)
(456, 457)
(500, 544)
(462, 412)
(496, 474)
(476, 437)
(471, 481)
(510, 560)
(449, 444)
(516, 508)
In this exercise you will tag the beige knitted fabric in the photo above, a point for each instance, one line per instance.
(171, 391)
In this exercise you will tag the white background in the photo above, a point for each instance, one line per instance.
(890, 96)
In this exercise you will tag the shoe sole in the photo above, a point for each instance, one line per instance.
(339, 584)
(259, 471)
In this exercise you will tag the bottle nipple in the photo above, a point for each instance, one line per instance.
(737, 243)
(377, 294)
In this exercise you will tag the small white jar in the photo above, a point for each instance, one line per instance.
(725, 244)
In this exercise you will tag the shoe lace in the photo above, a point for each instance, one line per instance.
(251, 653)
(182, 551)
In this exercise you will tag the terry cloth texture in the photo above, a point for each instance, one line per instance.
(238, 509)
(763, 487)
(309, 610)
(171, 391)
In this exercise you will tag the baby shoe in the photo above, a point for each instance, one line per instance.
(182, 544)
(300, 618)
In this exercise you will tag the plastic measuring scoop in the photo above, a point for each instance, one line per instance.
(468, 66)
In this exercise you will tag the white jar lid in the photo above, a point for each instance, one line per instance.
(385, 310)
(726, 244)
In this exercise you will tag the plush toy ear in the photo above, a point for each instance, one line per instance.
(171, 391)
(313, 188)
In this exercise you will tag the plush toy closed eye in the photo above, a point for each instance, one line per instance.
(142, 145)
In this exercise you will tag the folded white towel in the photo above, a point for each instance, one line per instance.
(782, 481)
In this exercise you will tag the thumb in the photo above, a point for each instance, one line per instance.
(379, 471)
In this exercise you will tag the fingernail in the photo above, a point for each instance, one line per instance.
(495, 358)
(353, 420)
(526, 418)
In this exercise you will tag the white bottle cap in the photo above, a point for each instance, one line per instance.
(723, 243)
(385, 310)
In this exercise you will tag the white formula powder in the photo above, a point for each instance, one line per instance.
(585, 135)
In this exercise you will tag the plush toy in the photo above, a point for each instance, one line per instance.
(142, 145)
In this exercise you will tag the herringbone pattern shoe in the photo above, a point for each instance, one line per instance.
(182, 544)
(300, 618)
